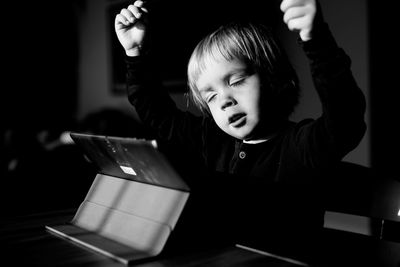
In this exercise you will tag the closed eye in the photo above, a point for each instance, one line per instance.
(237, 82)
(207, 94)
(210, 97)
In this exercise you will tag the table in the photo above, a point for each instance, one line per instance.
(25, 242)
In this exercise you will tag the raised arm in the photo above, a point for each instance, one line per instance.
(145, 92)
(341, 126)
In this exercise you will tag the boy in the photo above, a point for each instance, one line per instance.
(270, 168)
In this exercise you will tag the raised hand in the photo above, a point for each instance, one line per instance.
(299, 16)
(130, 27)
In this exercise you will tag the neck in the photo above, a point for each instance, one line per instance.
(267, 134)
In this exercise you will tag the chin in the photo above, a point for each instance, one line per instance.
(242, 135)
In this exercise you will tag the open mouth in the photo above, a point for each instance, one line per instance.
(237, 120)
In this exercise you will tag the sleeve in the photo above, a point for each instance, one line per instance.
(155, 107)
(341, 125)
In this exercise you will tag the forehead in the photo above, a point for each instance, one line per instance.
(218, 69)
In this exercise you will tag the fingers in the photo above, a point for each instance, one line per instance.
(293, 13)
(298, 24)
(131, 14)
(298, 14)
(308, 5)
(142, 5)
(286, 4)
(137, 9)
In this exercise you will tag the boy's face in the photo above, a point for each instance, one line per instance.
(232, 91)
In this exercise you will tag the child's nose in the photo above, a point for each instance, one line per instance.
(227, 102)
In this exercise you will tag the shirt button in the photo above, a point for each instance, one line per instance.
(242, 154)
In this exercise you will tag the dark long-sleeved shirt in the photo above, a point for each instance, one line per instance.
(276, 194)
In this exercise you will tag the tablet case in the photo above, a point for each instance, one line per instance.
(130, 216)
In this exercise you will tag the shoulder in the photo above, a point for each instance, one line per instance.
(294, 128)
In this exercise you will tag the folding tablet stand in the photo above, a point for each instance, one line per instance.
(124, 219)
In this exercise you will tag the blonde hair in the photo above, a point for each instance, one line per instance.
(256, 46)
